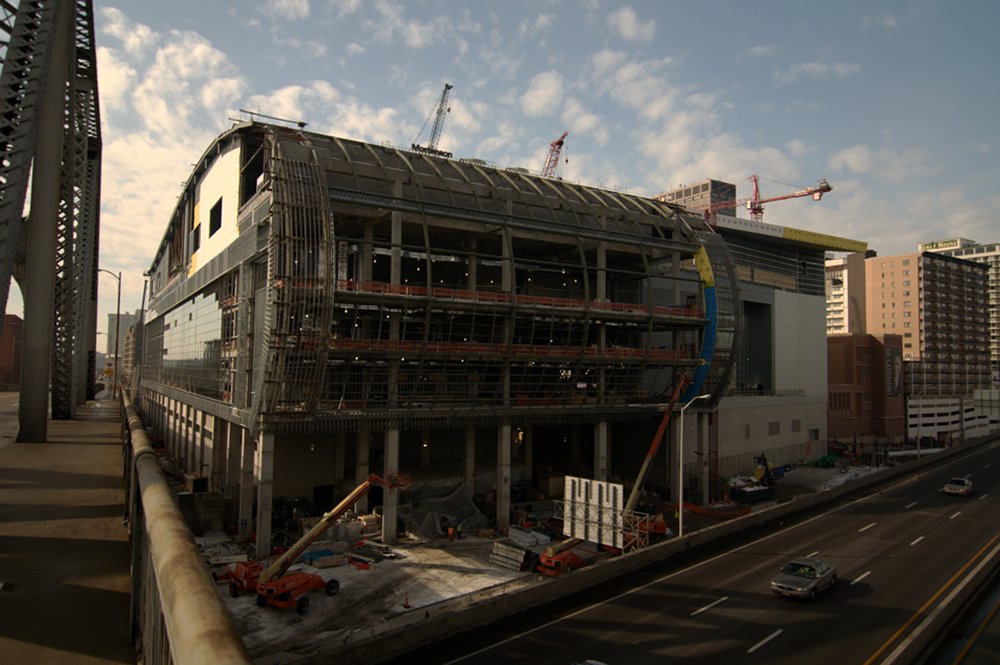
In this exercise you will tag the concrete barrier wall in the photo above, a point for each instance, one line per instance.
(407, 632)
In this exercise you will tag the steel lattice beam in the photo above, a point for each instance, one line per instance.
(29, 29)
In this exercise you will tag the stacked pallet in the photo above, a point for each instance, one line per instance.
(508, 554)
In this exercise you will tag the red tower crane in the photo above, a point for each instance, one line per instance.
(755, 204)
(552, 160)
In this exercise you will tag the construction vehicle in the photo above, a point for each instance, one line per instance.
(440, 111)
(755, 204)
(767, 478)
(561, 557)
(277, 587)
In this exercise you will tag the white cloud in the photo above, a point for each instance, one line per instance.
(636, 84)
(580, 121)
(761, 51)
(296, 102)
(166, 95)
(606, 60)
(344, 7)
(355, 49)
(135, 38)
(883, 164)
(221, 93)
(816, 70)
(541, 23)
(307, 49)
(292, 10)
(628, 26)
(884, 21)
(117, 78)
(544, 94)
(391, 25)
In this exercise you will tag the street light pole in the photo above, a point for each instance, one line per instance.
(680, 466)
(118, 318)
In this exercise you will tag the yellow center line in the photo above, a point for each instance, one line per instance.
(930, 601)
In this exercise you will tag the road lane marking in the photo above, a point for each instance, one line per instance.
(861, 577)
(865, 528)
(955, 515)
(765, 640)
(982, 496)
(916, 541)
(923, 608)
(709, 606)
(812, 554)
(911, 504)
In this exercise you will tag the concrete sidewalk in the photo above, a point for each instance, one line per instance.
(64, 559)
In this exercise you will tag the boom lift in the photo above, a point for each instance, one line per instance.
(560, 557)
(275, 585)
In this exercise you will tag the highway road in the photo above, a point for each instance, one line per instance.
(904, 554)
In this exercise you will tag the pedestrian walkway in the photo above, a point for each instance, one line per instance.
(64, 559)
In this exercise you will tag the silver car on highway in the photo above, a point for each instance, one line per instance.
(804, 577)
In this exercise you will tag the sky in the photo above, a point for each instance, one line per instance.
(895, 103)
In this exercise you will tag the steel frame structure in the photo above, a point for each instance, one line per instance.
(29, 33)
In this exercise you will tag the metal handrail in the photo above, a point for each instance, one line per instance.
(199, 627)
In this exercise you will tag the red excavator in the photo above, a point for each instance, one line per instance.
(275, 585)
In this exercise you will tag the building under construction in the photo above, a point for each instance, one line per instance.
(321, 309)
(318, 303)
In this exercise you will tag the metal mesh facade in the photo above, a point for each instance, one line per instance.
(381, 287)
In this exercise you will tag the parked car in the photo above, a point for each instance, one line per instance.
(804, 577)
(959, 486)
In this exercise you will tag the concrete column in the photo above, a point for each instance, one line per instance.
(33, 402)
(234, 456)
(503, 478)
(264, 473)
(187, 434)
(469, 461)
(246, 483)
(362, 468)
(168, 432)
(339, 454)
(601, 452)
(390, 500)
(218, 443)
(529, 453)
(672, 471)
(701, 455)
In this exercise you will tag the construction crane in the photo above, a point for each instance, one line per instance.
(755, 204)
(552, 160)
(442, 110)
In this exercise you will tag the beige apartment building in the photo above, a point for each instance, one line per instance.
(938, 305)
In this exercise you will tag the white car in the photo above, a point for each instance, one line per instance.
(958, 486)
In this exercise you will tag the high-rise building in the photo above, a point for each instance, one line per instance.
(988, 254)
(124, 321)
(705, 195)
(845, 295)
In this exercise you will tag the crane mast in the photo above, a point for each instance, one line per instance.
(552, 160)
(439, 115)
